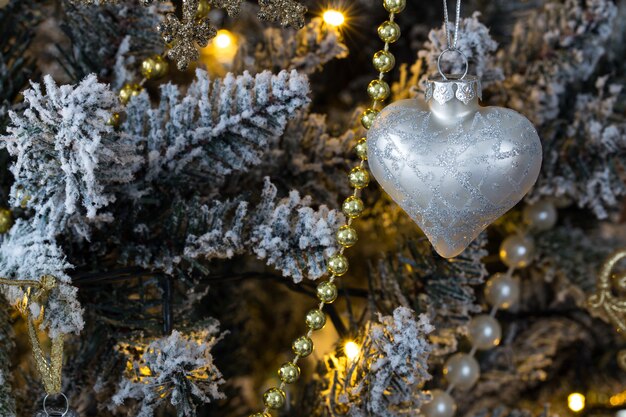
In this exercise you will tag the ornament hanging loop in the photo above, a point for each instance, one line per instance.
(67, 404)
(458, 51)
(451, 41)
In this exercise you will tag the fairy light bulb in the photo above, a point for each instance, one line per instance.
(219, 54)
(352, 350)
(223, 39)
(576, 401)
(334, 17)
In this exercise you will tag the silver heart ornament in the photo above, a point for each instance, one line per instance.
(452, 165)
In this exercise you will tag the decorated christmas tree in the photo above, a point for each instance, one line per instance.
(302, 208)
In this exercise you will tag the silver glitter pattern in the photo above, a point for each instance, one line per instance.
(453, 175)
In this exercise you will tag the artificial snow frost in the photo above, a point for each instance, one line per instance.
(553, 48)
(386, 379)
(397, 352)
(66, 156)
(287, 233)
(117, 37)
(306, 51)
(291, 235)
(178, 368)
(217, 127)
(597, 141)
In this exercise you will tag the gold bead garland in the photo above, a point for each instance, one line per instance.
(352, 207)
(289, 372)
(378, 90)
(384, 61)
(315, 319)
(128, 91)
(361, 149)
(346, 236)
(389, 32)
(154, 67)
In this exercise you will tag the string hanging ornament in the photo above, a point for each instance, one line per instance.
(49, 365)
(451, 164)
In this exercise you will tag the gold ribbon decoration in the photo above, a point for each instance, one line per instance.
(609, 301)
(49, 366)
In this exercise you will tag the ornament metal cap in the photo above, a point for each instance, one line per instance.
(443, 89)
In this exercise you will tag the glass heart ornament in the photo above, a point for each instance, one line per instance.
(451, 164)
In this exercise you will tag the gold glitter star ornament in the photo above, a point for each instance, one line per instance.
(185, 34)
(286, 12)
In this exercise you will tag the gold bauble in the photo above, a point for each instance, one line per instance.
(378, 90)
(114, 120)
(302, 346)
(204, 7)
(274, 398)
(359, 178)
(384, 61)
(361, 148)
(327, 292)
(147, 67)
(394, 6)
(368, 117)
(353, 207)
(6, 220)
(289, 373)
(389, 32)
(338, 264)
(315, 319)
(161, 67)
(154, 67)
(128, 91)
(347, 236)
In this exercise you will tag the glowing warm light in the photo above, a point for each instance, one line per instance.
(352, 350)
(145, 371)
(223, 39)
(576, 402)
(334, 17)
(618, 399)
(220, 51)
